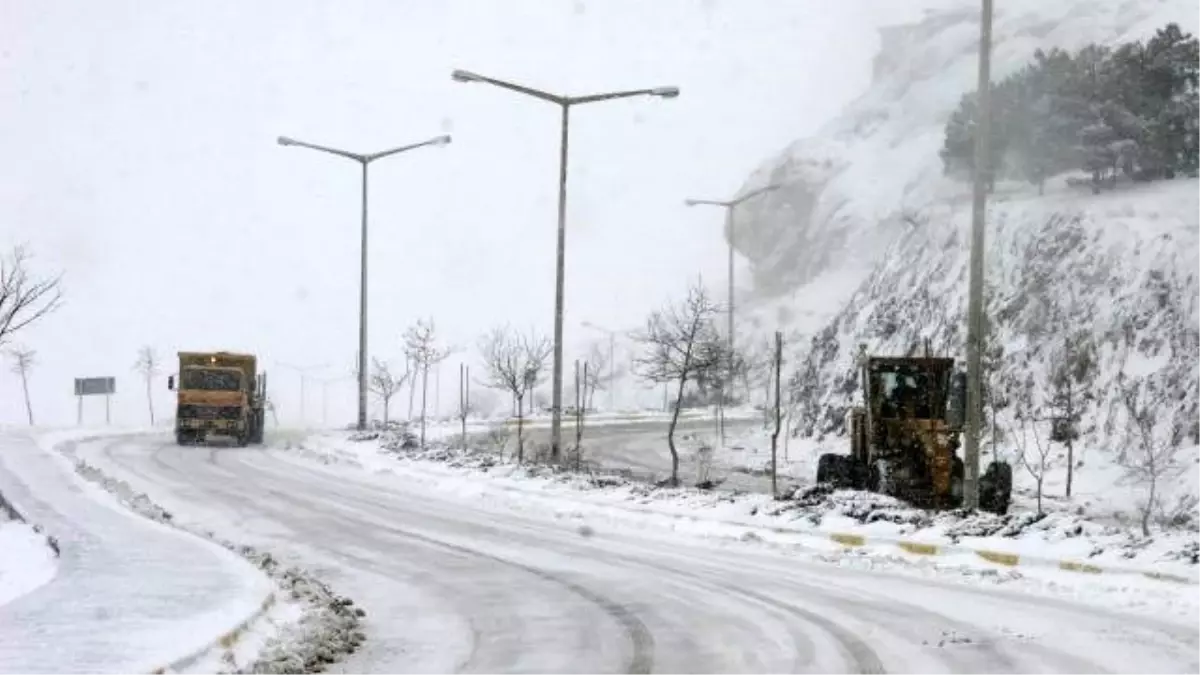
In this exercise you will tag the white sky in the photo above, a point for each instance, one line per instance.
(140, 159)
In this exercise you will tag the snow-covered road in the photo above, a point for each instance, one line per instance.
(448, 586)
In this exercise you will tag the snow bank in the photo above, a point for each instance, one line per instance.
(30, 557)
(27, 561)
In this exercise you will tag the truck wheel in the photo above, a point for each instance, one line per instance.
(840, 471)
(995, 488)
(182, 438)
(957, 476)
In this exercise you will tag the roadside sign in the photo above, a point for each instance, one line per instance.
(95, 386)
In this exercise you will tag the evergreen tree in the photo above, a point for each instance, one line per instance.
(1130, 111)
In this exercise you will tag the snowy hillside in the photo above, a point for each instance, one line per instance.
(867, 240)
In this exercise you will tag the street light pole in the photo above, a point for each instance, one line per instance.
(729, 206)
(564, 103)
(364, 160)
(303, 371)
(975, 309)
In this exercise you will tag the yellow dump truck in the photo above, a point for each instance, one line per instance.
(219, 394)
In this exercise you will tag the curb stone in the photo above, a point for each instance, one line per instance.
(226, 640)
(924, 548)
(997, 557)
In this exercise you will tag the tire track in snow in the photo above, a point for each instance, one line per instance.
(639, 636)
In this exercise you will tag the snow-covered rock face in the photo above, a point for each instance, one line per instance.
(866, 242)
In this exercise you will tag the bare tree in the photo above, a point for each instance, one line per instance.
(1071, 377)
(148, 365)
(514, 363)
(24, 298)
(680, 345)
(598, 375)
(421, 346)
(1036, 462)
(385, 385)
(23, 359)
(1149, 460)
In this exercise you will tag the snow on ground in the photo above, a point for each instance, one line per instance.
(607, 506)
(27, 560)
(612, 500)
(130, 595)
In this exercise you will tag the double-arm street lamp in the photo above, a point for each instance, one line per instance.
(364, 160)
(564, 103)
(729, 206)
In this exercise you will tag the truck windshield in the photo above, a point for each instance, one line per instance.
(211, 380)
(905, 391)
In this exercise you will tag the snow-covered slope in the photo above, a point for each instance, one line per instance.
(867, 240)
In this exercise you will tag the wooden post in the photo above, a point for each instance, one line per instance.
(107, 409)
(79, 412)
(462, 401)
(580, 402)
(778, 416)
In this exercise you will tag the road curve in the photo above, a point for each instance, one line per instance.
(450, 587)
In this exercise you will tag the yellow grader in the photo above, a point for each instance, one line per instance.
(904, 438)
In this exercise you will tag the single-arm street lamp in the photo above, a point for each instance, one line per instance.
(564, 103)
(364, 160)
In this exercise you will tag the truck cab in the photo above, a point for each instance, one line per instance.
(218, 394)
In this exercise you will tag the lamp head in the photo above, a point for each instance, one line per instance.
(665, 92)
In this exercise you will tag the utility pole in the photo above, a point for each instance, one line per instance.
(363, 160)
(564, 103)
(778, 413)
(975, 309)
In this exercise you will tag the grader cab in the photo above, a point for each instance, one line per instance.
(905, 436)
